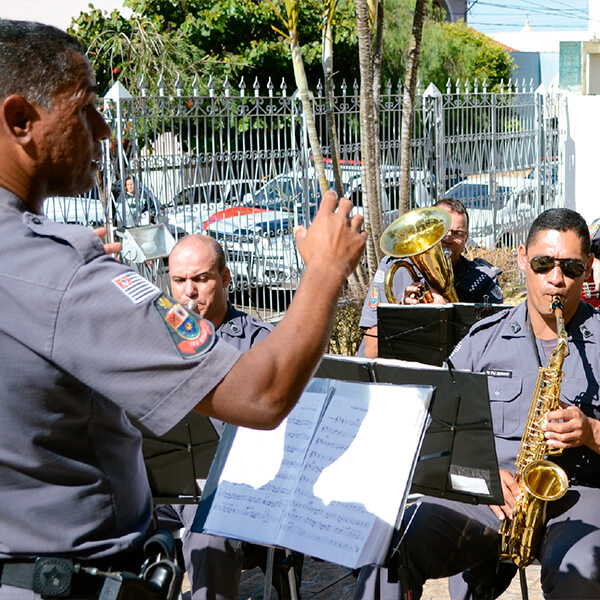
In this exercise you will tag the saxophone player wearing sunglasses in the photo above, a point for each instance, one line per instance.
(515, 348)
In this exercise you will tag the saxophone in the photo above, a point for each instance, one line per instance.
(540, 480)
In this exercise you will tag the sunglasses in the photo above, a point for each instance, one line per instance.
(570, 268)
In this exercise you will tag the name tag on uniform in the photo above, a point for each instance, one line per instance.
(493, 373)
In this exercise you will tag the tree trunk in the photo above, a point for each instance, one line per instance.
(369, 45)
(327, 62)
(408, 100)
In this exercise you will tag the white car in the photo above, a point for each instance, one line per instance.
(85, 210)
(501, 218)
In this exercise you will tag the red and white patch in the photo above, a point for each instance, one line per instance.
(136, 287)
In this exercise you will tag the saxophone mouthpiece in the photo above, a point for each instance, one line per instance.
(557, 303)
(191, 305)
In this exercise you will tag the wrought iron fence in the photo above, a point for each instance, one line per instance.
(237, 165)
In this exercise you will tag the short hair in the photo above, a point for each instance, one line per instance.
(560, 219)
(36, 61)
(205, 239)
(455, 205)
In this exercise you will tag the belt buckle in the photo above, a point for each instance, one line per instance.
(52, 576)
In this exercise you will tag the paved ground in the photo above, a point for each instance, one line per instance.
(326, 581)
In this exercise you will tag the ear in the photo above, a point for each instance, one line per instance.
(590, 265)
(522, 257)
(226, 276)
(18, 115)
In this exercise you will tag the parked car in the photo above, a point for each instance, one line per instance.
(502, 217)
(257, 235)
(192, 206)
(86, 209)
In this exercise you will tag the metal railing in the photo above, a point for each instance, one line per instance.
(236, 165)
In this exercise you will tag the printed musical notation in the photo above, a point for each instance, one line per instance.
(320, 483)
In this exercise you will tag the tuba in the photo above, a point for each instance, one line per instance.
(541, 480)
(418, 234)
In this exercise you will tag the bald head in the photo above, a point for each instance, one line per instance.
(198, 272)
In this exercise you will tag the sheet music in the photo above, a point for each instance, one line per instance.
(321, 483)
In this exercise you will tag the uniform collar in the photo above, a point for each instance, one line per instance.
(229, 324)
(578, 327)
(10, 200)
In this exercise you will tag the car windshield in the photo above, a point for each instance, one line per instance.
(476, 195)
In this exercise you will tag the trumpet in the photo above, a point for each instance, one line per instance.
(418, 235)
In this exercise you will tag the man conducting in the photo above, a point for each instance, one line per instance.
(84, 340)
(447, 538)
(200, 280)
(474, 280)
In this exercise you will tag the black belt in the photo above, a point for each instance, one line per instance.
(58, 577)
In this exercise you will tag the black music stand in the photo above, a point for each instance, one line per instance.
(427, 333)
(458, 456)
(177, 460)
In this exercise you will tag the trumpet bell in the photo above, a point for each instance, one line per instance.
(418, 234)
(415, 232)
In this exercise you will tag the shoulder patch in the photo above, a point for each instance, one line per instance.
(135, 287)
(379, 276)
(192, 336)
(373, 302)
(496, 292)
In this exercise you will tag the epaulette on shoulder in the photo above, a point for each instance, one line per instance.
(82, 239)
(487, 267)
(490, 321)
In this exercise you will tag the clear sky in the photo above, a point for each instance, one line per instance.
(493, 16)
(53, 12)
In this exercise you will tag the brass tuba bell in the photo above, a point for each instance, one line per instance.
(418, 234)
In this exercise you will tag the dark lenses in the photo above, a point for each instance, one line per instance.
(570, 268)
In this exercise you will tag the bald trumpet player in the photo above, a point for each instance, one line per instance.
(474, 280)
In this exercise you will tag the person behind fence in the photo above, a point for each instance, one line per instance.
(475, 280)
(139, 209)
(85, 340)
(200, 280)
(447, 538)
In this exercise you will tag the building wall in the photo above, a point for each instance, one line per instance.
(582, 128)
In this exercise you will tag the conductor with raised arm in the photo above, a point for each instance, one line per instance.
(85, 341)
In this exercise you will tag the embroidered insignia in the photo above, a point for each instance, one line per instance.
(379, 276)
(373, 298)
(192, 335)
(136, 287)
(594, 228)
(497, 292)
(515, 327)
(234, 328)
(456, 349)
(585, 331)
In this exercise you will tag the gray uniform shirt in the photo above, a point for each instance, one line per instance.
(83, 341)
(474, 280)
(502, 347)
(242, 330)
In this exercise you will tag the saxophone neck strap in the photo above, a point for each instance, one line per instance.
(533, 340)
